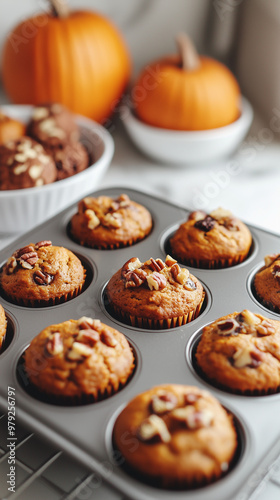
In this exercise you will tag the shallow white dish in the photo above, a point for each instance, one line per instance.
(22, 209)
(188, 147)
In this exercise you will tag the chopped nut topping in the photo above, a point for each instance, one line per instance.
(85, 323)
(78, 352)
(163, 402)
(43, 243)
(228, 327)
(135, 278)
(28, 260)
(248, 356)
(248, 317)
(35, 171)
(169, 261)
(180, 275)
(190, 398)
(88, 336)
(220, 213)
(23, 250)
(11, 265)
(265, 328)
(108, 338)
(197, 215)
(190, 285)
(276, 271)
(112, 220)
(155, 264)
(193, 419)
(156, 281)
(206, 224)
(130, 265)
(42, 278)
(269, 259)
(151, 427)
(93, 220)
(54, 344)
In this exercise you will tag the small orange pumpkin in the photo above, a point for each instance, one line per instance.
(76, 58)
(186, 92)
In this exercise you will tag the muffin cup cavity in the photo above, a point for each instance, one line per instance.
(268, 306)
(10, 334)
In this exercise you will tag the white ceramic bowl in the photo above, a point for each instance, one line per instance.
(188, 147)
(21, 209)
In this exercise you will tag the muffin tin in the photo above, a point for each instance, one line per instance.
(162, 356)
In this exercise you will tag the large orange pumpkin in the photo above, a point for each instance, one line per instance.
(186, 92)
(76, 58)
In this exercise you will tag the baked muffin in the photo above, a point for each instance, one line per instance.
(42, 274)
(10, 129)
(240, 353)
(24, 163)
(52, 124)
(182, 437)
(108, 223)
(69, 159)
(78, 361)
(3, 326)
(154, 294)
(214, 240)
(266, 285)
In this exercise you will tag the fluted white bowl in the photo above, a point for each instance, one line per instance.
(22, 209)
(188, 147)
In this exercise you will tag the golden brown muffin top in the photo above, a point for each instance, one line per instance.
(241, 351)
(267, 281)
(154, 289)
(211, 236)
(105, 221)
(176, 434)
(41, 271)
(78, 357)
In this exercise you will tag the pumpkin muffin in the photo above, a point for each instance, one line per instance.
(78, 361)
(24, 163)
(108, 223)
(52, 125)
(214, 240)
(240, 353)
(69, 159)
(3, 326)
(10, 129)
(182, 437)
(154, 294)
(42, 274)
(266, 285)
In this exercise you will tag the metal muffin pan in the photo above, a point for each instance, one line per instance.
(163, 356)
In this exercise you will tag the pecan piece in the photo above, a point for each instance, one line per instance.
(179, 275)
(190, 285)
(152, 427)
(28, 260)
(23, 250)
(197, 215)
(247, 356)
(156, 281)
(78, 352)
(54, 344)
(43, 243)
(155, 264)
(269, 259)
(93, 220)
(169, 261)
(248, 317)
(190, 398)
(163, 402)
(193, 419)
(11, 265)
(42, 278)
(205, 224)
(88, 336)
(130, 265)
(112, 220)
(276, 271)
(135, 278)
(86, 323)
(228, 327)
(108, 338)
(265, 328)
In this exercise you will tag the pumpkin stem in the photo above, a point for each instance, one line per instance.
(187, 51)
(60, 8)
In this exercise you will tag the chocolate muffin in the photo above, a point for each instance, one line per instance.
(176, 437)
(10, 129)
(214, 240)
(3, 326)
(78, 361)
(69, 159)
(52, 125)
(266, 285)
(154, 294)
(108, 223)
(41, 274)
(240, 353)
(24, 163)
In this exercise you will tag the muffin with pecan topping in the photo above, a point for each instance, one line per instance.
(53, 124)
(108, 223)
(3, 326)
(154, 294)
(240, 353)
(182, 437)
(211, 241)
(24, 163)
(78, 361)
(266, 285)
(41, 274)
